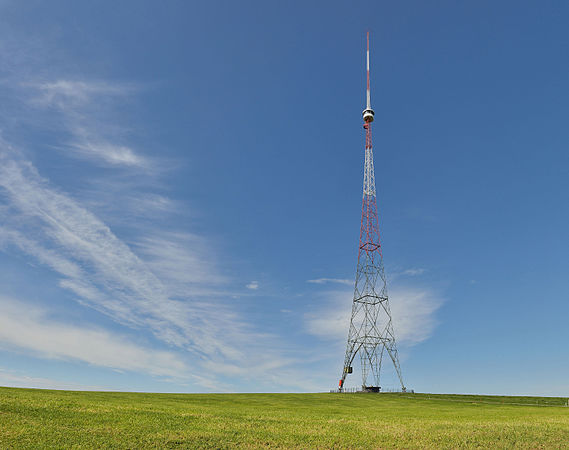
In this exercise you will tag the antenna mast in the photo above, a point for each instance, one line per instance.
(371, 330)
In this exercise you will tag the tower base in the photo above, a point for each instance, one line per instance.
(371, 388)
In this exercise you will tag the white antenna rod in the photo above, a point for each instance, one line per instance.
(368, 112)
(368, 105)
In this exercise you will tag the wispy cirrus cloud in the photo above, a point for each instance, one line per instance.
(42, 254)
(86, 108)
(65, 94)
(12, 378)
(133, 201)
(107, 153)
(414, 271)
(144, 276)
(165, 283)
(96, 265)
(183, 260)
(27, 328)
(331, 280)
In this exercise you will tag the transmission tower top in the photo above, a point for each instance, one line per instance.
(368, 112)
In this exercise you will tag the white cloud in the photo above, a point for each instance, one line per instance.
(65, 94)
(149, 203)
(183, 261)
(103, 236)
(45, 256)
(27, 328)
(331, 280)
(254, 285)
(130, 202)
(104, 272)
(81, 288)
(413, 311)
(87, 112)
(113, 155)
(332, 317)
(11, 378)
(413, 272)
(165, 283)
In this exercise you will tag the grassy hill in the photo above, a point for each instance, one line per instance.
(42, 418)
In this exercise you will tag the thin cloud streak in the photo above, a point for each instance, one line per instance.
(133, 203)
(12, 378)
(44, 255)
(331, 280)
(182, 260)
(86, 107)
(29, 329)
(64, 94)
(414, 272)
(113, 155)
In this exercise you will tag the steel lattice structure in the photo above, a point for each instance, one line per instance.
(371, 330)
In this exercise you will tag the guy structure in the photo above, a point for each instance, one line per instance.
(371, 330)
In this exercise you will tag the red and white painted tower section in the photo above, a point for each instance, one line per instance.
(371, 332)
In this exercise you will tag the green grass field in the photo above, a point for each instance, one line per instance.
(41, 418)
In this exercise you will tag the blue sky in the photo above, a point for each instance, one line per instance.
(180, 192)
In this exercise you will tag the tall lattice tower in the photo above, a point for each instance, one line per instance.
(371, 330)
